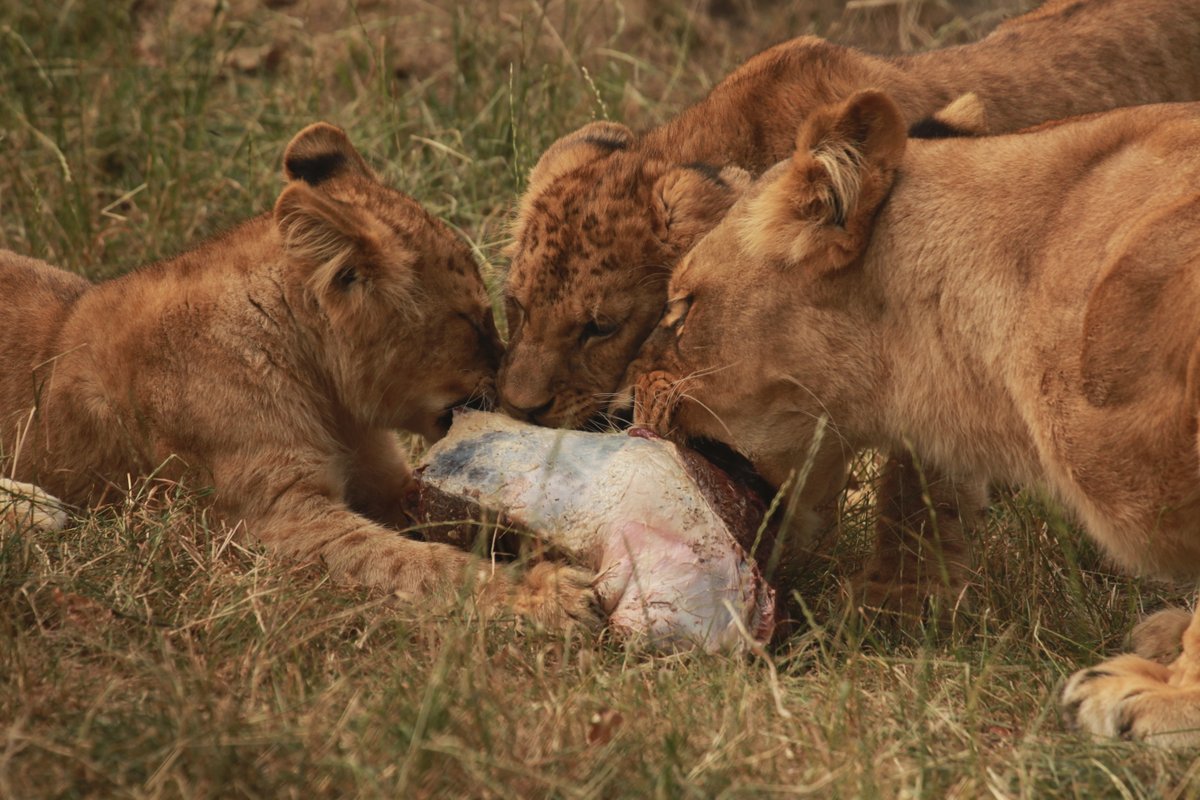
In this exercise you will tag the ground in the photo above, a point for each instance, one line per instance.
(145, 654)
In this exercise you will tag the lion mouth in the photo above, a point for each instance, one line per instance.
(616, 418)
(476, 401)
(739, 468)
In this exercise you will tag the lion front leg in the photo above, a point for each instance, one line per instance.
(308, 526)
(378, 479)
(1130, 697)
(921, 557)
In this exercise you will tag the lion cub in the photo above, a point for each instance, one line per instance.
(1021, 307)
(271, 363)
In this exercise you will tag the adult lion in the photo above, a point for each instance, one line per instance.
(1024, 308)
(607, 213)
(271, 363)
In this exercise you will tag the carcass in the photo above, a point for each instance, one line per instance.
(666, 531)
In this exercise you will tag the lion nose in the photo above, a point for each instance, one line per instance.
(527, 413)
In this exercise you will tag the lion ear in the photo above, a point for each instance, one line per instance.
(321, 152)
(689, 201)
(339, 250)
(820, 208)
(592, 141)
(966, 116)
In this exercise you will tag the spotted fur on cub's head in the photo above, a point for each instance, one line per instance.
(596, 237)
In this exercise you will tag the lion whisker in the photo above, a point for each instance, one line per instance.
(706, 371)
(715, 415)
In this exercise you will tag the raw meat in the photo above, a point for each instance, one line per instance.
(659, 524)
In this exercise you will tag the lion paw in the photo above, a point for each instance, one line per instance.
(555, 595)
(1130, 697)
(25, 505)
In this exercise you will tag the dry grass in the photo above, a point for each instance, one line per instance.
(143, 654)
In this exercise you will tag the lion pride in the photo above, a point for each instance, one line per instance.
(1024, 308)
(608, 213)
(271, 363)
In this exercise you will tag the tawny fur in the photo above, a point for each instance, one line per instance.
(1022, 308)
(608, 213)
(271, 363)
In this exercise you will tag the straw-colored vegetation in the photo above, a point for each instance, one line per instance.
(143, 653)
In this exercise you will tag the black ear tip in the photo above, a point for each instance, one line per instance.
(314, 168)
(317, 153)
(933, 128)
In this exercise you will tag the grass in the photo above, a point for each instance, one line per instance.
(144, 654)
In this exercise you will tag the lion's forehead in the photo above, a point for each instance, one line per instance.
(440, 249)
(568, 258)
(581, 275)
(595, 205)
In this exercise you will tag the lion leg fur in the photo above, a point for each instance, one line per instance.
(356, 550)
(921, 559)
(378, 479)
(1132, 697)
(307, 520)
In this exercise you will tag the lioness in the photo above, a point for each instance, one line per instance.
(1024, 308)
(608, 213)
(271, 363)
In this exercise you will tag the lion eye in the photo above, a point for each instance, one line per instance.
(596, 330)
(676, 313)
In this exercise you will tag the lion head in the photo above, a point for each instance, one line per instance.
(599, 229)
(399, 314)
(765, 336)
